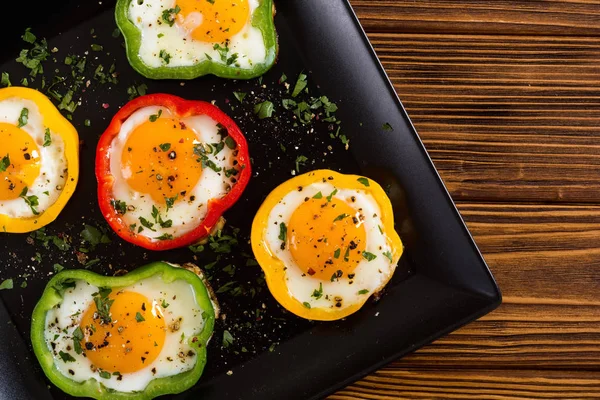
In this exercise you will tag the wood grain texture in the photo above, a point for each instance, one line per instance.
(531, 17)
(503, 118)
(482, 384)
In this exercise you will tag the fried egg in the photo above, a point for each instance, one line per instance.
(326, 242)
(34, 168)
(182, 33)
(126, 337)
(166, 169)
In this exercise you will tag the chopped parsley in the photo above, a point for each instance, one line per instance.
(96, 47)
(317, 196)
(227, 338)
(165, 236)
(318, 293)
(164, 304)
(363, 291)
(331, 195)
(169, 201)
(5, 81)
(4, 163)
(6, 284)
(146, 224)
(32, 58)
(66, 357)
(336, 253)
(224, 54)
(165, 146)
(154, 117)
(341, 217)
(364, 181)
(77, 338)
(139, 317)
(158, 219)
(134, 91)
(387, 127)
(168, 15)
(264, 109)
(300, 160)
(229, 142)
(240, 96)
(103, 304)
(166, 57)
(47, 138)
(23, 118)
(119, 206)
(92, 237)
(300, 85)
(368, 256)
(306, 304)
(388, 254)
(32, 201)
(104, 374)
(282, 234)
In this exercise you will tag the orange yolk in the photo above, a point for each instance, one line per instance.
(325, 237)
(218, 20)
(158, 159)
(131, 341)
(19, 161)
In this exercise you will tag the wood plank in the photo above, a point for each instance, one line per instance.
(457, 383)
(533, 17)
(503, 117)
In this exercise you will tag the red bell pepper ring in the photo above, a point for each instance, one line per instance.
(215, 208)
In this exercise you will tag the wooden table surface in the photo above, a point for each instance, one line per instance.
(505, 95)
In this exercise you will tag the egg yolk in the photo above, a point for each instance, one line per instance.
(326, 238)
(19, 161)
(213, 21)
(132, 340)
(158, 159)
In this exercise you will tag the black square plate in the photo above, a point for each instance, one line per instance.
(441, 283)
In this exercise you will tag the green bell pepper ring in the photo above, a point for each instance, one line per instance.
(224, 66)
(93, 387)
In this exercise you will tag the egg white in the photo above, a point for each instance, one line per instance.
(179, 294)
(183, 49)
(369, 275)
(186, 215)
(52, 176)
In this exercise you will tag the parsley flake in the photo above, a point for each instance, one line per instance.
(4, 163)
(154, 117)
(66, 357)
(6, 284)
(364, 181)
(23, 118)
(368, 256)
(388, 254)
(264, 109)
(318, 293)
(341, 217)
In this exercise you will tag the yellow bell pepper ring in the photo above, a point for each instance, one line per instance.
(39, 160)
